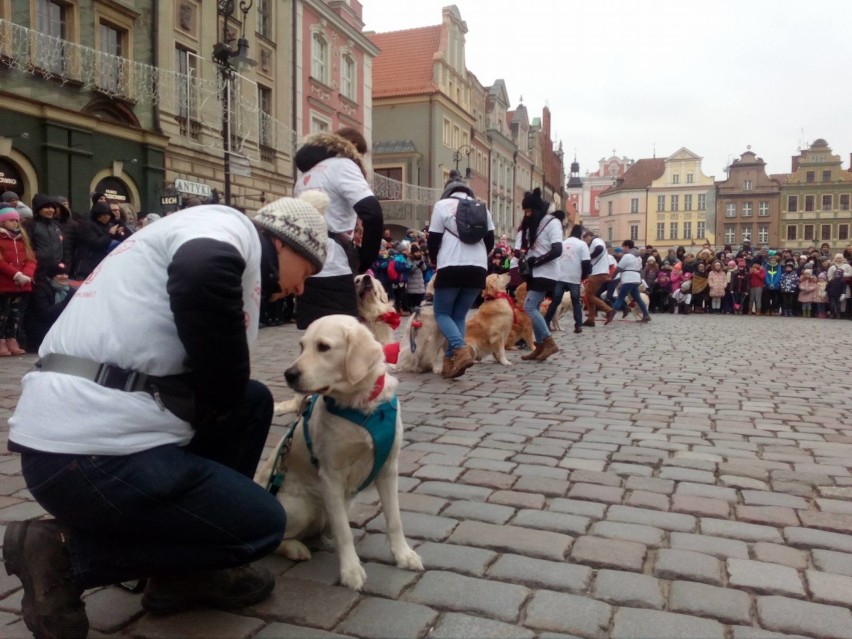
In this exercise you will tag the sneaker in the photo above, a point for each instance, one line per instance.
(645, 319)
(222, 589)
(35, 552)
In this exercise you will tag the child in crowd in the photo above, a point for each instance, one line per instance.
(739, 288)
(699, 287)
(756, 279)
(17, 268)
(682, 297)
(807, 291)
(821, 295)
(717, 282)
(836, 291)
(788, 285)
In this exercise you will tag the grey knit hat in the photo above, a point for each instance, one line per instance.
(299, 223)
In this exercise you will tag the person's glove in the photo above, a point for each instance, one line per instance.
(21, 279)
(532, 261)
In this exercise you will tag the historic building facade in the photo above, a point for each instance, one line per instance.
(681, 204)
(815, 200)
(76, 114)
(747, 204)
(583, 192)
(624, 207)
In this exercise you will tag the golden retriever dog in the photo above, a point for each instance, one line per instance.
(423, 344)
(331, 457)
(522, 326)
(487, 331)
(375, 309)
(564, 307)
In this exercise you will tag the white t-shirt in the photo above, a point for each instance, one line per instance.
(549, 232)
(631, 267)
(121, 315)
(574, 252)
(600, 264)
(453, 251)
(341, 179)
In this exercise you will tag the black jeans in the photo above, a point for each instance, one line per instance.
(576, 302)
(168, 510)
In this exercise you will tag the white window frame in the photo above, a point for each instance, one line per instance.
(746, 185)
(763, 234)
(702, 201)
(689, 178)
(687, 202)
(745, 233)
(320, 123)
(747, 206)
(675, 203)
(634, 232)
(700, 229)
(320, 58)
(675, 178)
(763, 209)
(673, 230)
(634, 205)
(348, 76)
(687, 230)
(661, 202)
(661, 230)
(731, 211)
(730, 233)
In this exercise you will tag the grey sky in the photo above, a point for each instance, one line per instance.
(632, 75)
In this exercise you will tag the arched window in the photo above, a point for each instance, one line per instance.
(319, 55)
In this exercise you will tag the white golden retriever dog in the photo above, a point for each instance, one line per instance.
(373, 305)
(344, 364)
(423, 335)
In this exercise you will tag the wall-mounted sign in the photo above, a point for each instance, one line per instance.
(170, 200)
(10, 178)
(193, 188)
(114, 189)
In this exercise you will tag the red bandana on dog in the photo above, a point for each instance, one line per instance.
(392, 319)
(511, 302)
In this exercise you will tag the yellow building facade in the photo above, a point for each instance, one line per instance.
(681, 204)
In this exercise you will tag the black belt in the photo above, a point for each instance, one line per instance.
(174, 393)
(106, 375)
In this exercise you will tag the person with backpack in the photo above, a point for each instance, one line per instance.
(461, 235)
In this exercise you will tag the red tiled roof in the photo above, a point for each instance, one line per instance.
(640, 175)
(404, 66)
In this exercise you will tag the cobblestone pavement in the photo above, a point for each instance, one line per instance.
(687, 478)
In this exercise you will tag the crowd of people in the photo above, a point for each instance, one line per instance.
(45, 251)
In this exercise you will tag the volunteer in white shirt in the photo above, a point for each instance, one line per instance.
(460, 275)
(541, 241)
(331, 163)
(630, 268)
(575, 264)
(599, 276)
(139, 429)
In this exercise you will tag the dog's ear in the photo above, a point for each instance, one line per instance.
(504, 280)
(381, 293)
(363, 353)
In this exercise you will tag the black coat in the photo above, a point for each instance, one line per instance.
(42, 312)
(94, 242)
(46, 237)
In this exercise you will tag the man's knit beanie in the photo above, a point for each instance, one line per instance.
(299, 223)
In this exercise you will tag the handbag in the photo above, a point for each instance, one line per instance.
(524, 269)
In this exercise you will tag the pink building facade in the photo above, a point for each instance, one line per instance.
(333, 68)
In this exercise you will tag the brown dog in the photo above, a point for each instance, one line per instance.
(522, 325)
(487, 331)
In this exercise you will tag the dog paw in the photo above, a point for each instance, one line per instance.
(288, 406)
(409, 560)
(294, 550)
(353, 577)
(505, 362)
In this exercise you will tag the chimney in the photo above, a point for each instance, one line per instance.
(796, 163)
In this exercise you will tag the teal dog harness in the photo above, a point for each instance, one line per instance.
(381, 424)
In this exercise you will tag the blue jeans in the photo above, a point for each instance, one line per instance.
(531, 306)
(168, 510)
(576, 303)
(451, 306)
(633, 291)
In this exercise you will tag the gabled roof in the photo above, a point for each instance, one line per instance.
(639, 175)
(405, 64)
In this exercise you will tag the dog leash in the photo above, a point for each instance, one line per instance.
(276, 478)
(416, 323)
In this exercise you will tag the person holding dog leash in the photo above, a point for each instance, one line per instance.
(144, 449)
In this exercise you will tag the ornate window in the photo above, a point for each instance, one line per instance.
(319, 58)
(348, 77)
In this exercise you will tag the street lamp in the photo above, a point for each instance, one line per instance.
(229, 60)
(457, 156)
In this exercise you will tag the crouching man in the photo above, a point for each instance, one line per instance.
(140, 430)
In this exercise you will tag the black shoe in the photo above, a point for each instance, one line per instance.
(223, 589)
(578, 329)
(35, 552)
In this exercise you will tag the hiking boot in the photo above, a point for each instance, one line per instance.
(534, 354)
(462, 360)
(222, 589)
(548, 348)
(645, 319)
(448, 366)
(589, 322)
(35, 552)
(578, 329)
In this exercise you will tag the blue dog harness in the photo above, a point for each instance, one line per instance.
(381, 424)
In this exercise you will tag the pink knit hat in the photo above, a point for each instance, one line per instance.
(8, 213)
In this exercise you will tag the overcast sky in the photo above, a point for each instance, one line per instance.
(635, 75)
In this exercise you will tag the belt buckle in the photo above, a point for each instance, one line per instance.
(111, 376)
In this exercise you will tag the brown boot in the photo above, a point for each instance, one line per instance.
(35, 551)
(4, 350)
(462, 360)
(13, 348)
(533, 354)
(223, 589)
(448, 366)
(548, 348)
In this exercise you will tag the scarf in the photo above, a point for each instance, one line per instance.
(60, 291)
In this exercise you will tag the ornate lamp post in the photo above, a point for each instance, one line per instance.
(464, 149)
(229, 61)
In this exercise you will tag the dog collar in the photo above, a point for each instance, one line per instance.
(391, 318)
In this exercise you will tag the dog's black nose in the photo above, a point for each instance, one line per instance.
(292, 375)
